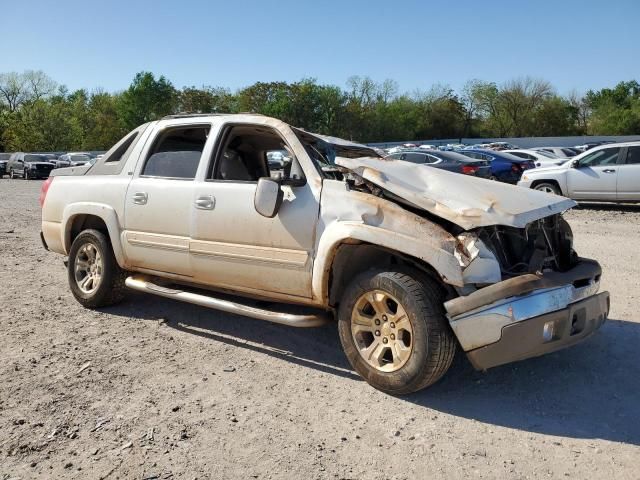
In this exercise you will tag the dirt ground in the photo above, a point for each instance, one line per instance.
(153, 389)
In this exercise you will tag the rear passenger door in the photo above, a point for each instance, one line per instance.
(629, 175)
(159, 200)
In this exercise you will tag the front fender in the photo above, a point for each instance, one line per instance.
(100, 210)
(435, 250)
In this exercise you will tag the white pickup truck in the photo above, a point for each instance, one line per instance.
(413, 262)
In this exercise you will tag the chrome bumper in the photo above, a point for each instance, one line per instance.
(483, 326)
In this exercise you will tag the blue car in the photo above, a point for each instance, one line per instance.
(504, 166)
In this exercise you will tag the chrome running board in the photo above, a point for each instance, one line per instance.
(143, 284)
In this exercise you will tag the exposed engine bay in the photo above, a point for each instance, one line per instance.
(545, 244)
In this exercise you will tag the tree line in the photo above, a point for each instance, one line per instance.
(37, 114)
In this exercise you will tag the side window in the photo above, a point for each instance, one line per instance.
(416, 158)
(432, 159)
(633, 156)
(176, 153)
(606, 156)
(249, 152)
(119, 152)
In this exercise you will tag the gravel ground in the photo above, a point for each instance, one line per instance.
(153, 389)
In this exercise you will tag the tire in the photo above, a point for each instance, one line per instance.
(548, 188)
(107, 285)
(431, 342)
(11, 174)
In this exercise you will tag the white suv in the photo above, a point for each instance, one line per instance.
(608, 173)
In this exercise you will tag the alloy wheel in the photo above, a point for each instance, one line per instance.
(381, 331)
(88, 268)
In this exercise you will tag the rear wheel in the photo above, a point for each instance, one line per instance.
(394, 332)
(548, 188)
(95, 278)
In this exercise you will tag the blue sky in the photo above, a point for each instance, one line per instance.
(573, 44)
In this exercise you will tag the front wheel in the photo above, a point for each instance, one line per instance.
(394, 331)
(95, 278)
(548, 188)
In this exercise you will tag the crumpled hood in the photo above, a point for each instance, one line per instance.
(467, 201)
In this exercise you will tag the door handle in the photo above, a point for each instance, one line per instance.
(206, 202)
(140, 198)
(609, 170)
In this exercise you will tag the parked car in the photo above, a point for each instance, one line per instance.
(559, 152)
(499, 146)
(450, 161)
(415, 263)
(76, 159)
(28, 166)
(4, 160)
(538, 157)
(590, 145)
(608, 173)
(504, 167)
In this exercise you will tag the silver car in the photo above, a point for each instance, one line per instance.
(609, 173)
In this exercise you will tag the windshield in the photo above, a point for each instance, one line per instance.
(545, 154)
(323, 150)
(35, 158)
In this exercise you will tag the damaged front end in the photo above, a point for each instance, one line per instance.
(528, 293)
(523, 291)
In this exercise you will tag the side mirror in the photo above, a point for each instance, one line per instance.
(268, 197)
(575, 164)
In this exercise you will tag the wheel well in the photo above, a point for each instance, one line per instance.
(80, 223)
(351, 260)
(535, 183)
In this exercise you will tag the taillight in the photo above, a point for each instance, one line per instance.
(469, 169)
(515, 168)
(44, 189)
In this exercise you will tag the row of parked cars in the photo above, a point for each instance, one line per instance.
(39, 165)
(605, 172)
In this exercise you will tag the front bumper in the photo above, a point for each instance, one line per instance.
(544, 334)
(529, 315)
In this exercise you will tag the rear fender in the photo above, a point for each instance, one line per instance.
(108, 216)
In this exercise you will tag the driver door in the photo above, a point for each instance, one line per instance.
(232, 246)
(595, 176)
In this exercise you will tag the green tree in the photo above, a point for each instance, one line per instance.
(146, 99)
